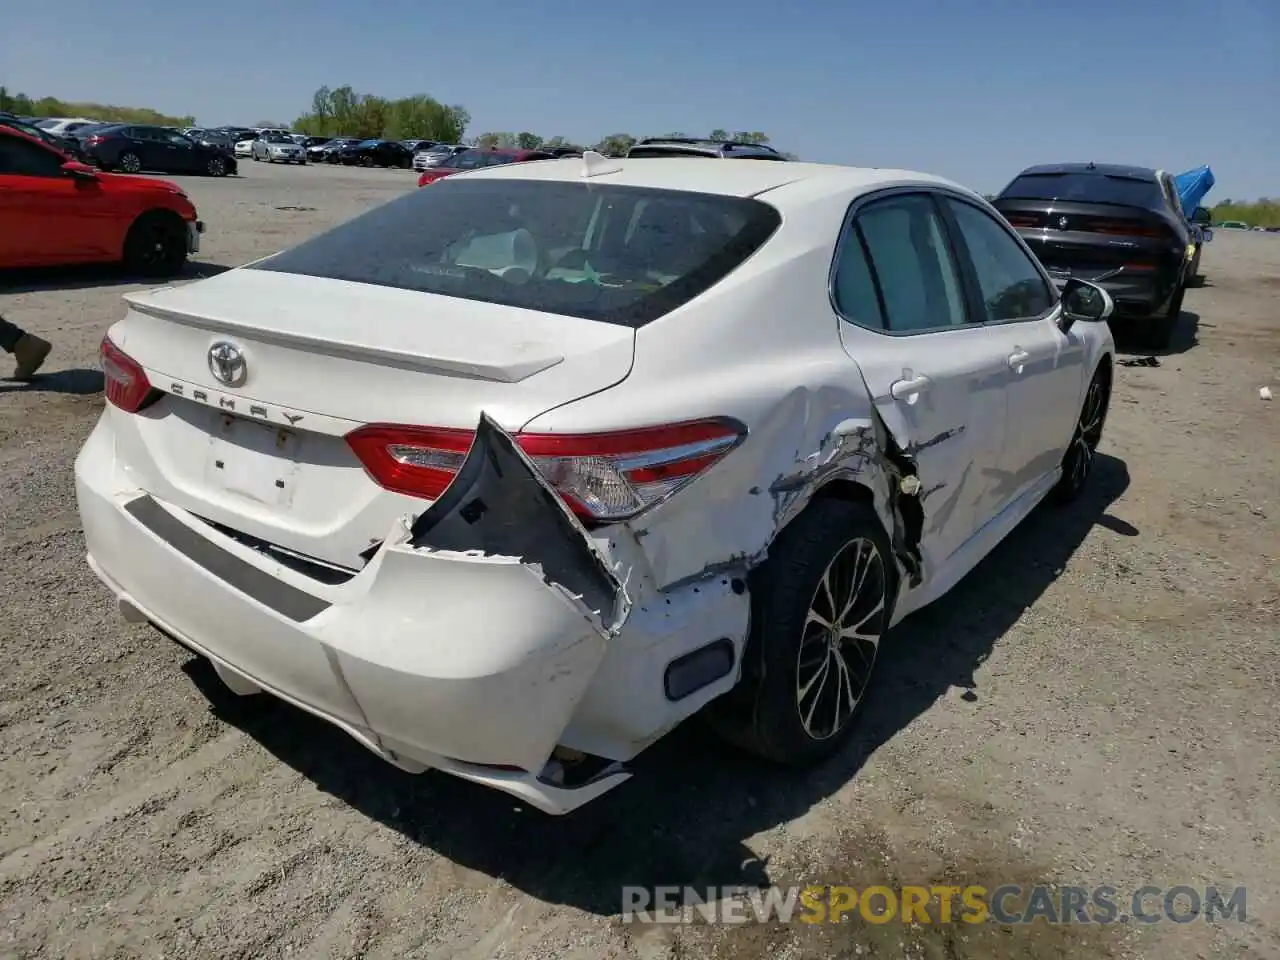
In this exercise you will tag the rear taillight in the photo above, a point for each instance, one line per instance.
(93, 141)
(602, 477)
(1122, 228)
(1024, 220)
(127, 386)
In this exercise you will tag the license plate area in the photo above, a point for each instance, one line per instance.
(257, 461)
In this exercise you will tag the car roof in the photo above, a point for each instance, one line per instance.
(728, 179)
(1098, 169)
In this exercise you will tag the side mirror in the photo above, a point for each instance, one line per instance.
(74, 168)
(1084, 301)
(1201, 216)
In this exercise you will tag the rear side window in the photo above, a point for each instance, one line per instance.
(624, 255)
(1086, 188)
(912, 262)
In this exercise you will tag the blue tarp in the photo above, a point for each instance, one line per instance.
(1192, 187)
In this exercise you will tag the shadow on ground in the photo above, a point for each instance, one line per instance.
(686, 816)
(77, 382)
(1186, 336)
(82, 278)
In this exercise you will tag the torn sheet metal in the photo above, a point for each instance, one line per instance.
(726, 525)
(499, 504)
(476, 629)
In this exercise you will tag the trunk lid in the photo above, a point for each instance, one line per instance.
(264, 455)
(1075, 238)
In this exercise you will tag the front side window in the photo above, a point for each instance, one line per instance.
(618, 254)
(20, 158)
(1012, 287)
(912, 263)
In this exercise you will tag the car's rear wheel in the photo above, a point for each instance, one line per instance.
(130, 162)
(1077, 463)
(216, 167)
(1157, 332)
(366, 161)
(820, 604)
(156, 245)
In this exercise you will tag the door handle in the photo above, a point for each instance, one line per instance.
(908, 389)
(1018, 359)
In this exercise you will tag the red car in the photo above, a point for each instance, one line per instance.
(56, 211)
(474, 159)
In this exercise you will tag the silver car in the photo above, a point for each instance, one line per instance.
(434, 156)
(274, 147)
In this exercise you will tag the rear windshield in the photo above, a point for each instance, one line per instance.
(1086, 187)
(624, 255)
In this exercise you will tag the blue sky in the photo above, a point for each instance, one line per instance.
(970, 91)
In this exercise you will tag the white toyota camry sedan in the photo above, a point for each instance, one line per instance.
(510, 476)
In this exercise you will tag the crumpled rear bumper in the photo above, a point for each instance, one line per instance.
(470, 661)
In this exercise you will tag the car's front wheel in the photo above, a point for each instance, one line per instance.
(1077, 463)
(216, 167)
(156, 245)
(821, 603)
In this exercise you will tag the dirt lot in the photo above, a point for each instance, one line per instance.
(1099, 703)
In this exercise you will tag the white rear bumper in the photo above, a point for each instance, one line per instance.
(464, 662)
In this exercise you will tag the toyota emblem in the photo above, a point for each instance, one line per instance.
(1062, 223)
(226, 363)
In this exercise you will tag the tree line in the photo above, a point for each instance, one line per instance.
(25, 106)
(342, 112)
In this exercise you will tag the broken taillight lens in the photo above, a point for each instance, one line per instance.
(601, 476)
(127, 386)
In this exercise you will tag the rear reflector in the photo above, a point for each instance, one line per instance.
(601, 476)
(127, 386)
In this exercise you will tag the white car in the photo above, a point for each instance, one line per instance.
(65, 126)
(436, 155)
(278, 147)
(510, 476)
(244, 148)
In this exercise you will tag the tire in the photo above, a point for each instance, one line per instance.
(1077, 462)
(156, 245)
(129, 162)
(1157, 332)
(784, 708)
(366, 161)
(216, 167)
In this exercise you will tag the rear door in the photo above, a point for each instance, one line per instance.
(936, 379)
(1044, 372)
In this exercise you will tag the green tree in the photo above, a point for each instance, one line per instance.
(615, 144)
(528, 141)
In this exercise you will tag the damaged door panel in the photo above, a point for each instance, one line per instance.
(807, 438)
(945, 412)
(482, 623)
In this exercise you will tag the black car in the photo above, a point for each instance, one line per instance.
(68, 144)
(1125, 224)
(376, 153)
(132, 148)
(328, 151)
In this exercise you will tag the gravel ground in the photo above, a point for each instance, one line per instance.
(1097, 703)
